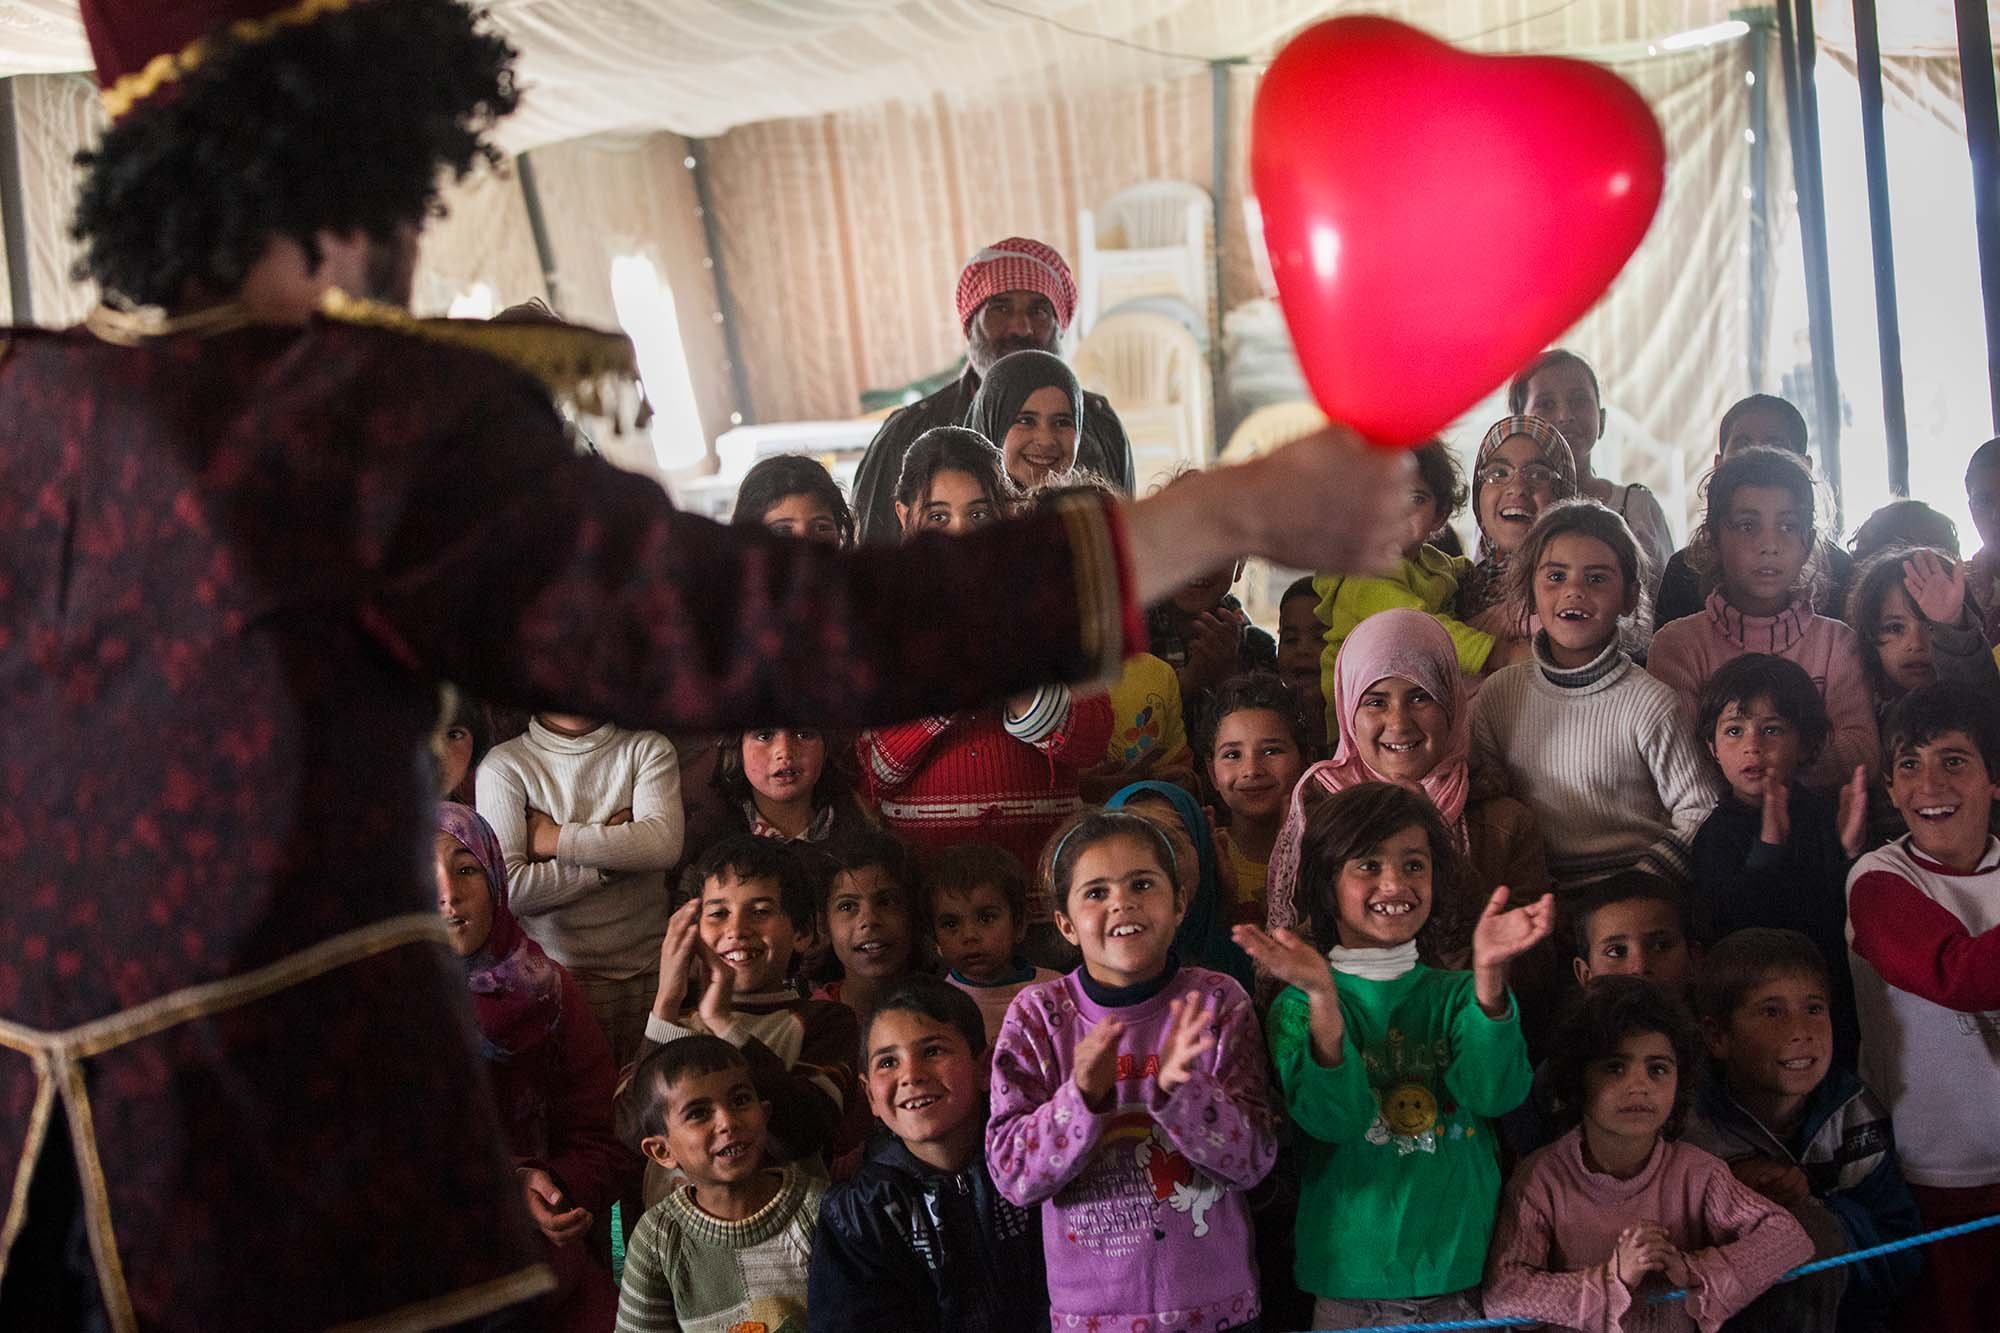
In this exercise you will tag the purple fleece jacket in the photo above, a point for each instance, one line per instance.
(1143, 1214)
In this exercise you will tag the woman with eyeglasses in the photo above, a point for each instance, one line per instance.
(1523, 466)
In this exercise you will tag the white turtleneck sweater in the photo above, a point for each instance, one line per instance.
(1605, 758)
(601, 905)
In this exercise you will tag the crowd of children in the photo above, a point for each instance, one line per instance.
(1476, 947)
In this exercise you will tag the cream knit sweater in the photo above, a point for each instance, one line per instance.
(1605, 758)
(601, 905)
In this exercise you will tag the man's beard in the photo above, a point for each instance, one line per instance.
(981, 354)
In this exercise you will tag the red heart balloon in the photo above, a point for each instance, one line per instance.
(1433, 218)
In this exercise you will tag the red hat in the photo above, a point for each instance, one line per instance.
(1016, 264)
(142, 46)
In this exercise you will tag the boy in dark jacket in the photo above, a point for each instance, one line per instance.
(1795, 1126)
(1774, 853)
(920, 1241)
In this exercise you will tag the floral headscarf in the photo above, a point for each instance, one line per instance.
(1487, 583)
(516, 989)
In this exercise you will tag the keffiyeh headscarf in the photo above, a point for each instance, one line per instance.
(1487, 583)
(1397, 644)
(516, 989)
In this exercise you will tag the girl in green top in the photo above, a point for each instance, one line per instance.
(1394, 1071)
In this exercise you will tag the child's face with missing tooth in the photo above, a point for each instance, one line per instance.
(1383, 896)
(716, 1128)
(744, 923)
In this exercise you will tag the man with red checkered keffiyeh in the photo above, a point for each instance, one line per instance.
(1015, 295)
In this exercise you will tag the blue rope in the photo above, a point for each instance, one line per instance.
(1803, 1270)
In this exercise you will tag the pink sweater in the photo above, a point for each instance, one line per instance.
(1686, 652)
(1559, 1225)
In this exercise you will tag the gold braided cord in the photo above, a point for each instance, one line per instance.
(134, 88)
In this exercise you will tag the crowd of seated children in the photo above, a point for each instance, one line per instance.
(1211, 1055)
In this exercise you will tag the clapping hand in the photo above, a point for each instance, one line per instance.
(1285, 956)
(1503, 935)
(1097, 1063)
(1853, 818)
(717, 1008)
(1190, 1035)
(678, 950)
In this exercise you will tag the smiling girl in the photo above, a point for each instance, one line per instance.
(1129, 1101)
(1599, 750)
(1031, 407)
(1759, 534)
(1522, 467)
(1393, 1071)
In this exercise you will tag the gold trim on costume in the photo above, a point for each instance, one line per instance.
(31, 1152)
(58, 1060)
(129, 328)
(96, 1200)
(459, 1306)
(592, 370)
(1100, 610)
(131, 89)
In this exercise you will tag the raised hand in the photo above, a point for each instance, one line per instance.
(1853, 818)
(1936, 587)
(1097, 1063)
(1780, 1182)
(1190, 1035)
(1285, 956)
(1777, 830)
(1501, 935)
(678, 949)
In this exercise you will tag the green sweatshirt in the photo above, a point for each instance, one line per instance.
(1429, 583)
(1401, 1172)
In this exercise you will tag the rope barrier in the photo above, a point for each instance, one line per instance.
(1803, 1270)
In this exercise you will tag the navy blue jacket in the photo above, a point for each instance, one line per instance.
(1847, 1150)
(906, 1247)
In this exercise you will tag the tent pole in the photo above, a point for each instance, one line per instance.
(725, 302)
(1982, 139)
(538, 226)
(1757, 64)
(1888, 327)
(13, 209)
(1795, 37)
(1219, 130)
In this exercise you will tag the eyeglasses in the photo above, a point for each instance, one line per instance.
(1532, 474)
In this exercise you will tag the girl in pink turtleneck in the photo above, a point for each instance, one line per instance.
(1756, 541)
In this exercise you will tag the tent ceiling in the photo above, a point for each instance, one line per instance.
(700, 67)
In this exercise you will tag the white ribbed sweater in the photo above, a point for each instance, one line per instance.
(1610, 766)
(601, 905)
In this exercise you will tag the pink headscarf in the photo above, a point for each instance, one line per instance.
(1398, 643)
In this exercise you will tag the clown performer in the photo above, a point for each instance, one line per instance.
(254, 515)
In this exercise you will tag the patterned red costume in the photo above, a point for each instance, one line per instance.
(234, 566)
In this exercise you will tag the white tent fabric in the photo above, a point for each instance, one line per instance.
(701, 67)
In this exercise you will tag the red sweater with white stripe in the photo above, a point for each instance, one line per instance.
(1926, 944)
(983, 777)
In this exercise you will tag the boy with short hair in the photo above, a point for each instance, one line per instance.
(1797, 1126)
(730, 1247)
(976, 900)
(752, 914)
(920, 1239)
(1775, 853)
(1924, 918)
(1633, 923)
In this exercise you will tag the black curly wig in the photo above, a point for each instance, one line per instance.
(344, 124)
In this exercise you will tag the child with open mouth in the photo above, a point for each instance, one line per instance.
(1522, 467)
(1395, 1072)
(1130, 1103)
